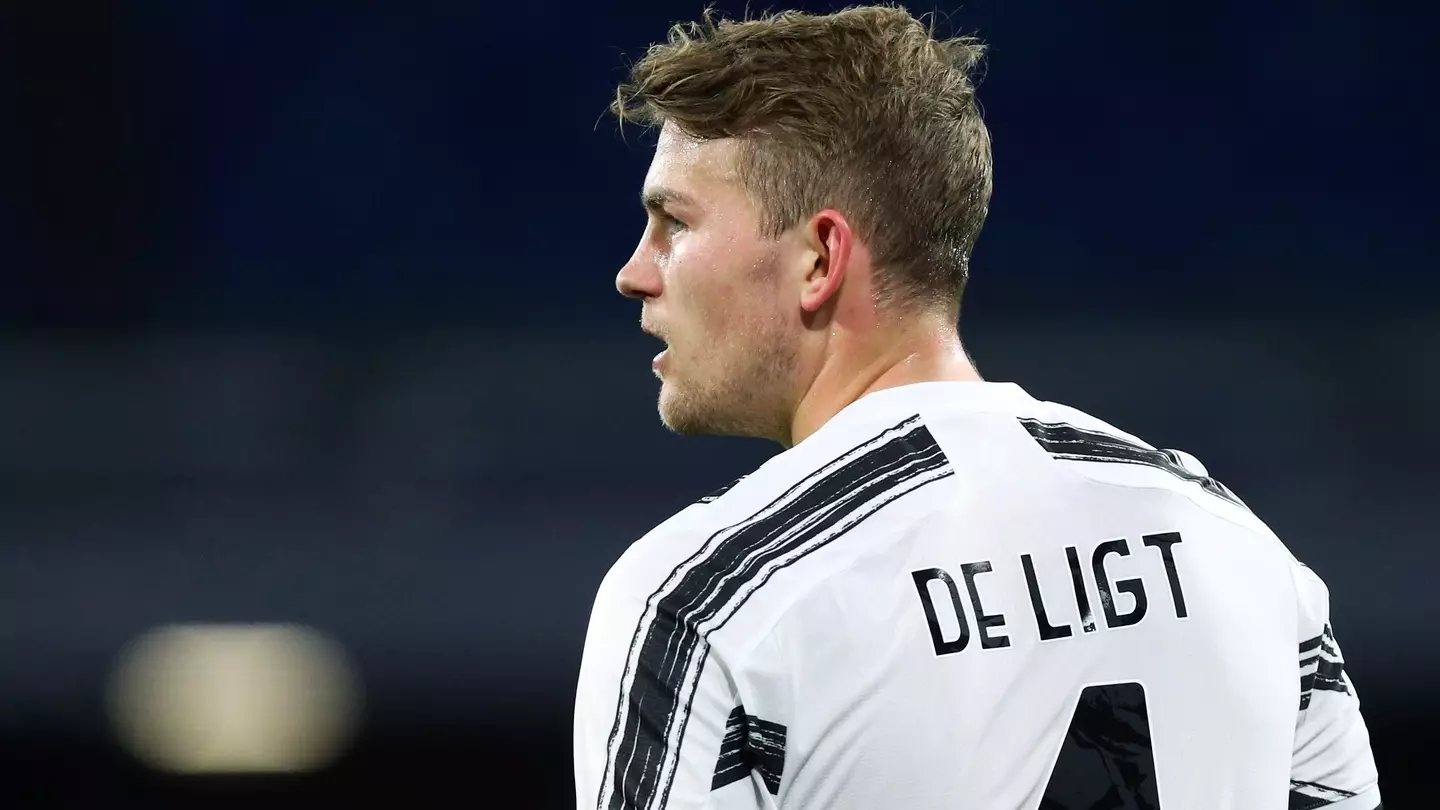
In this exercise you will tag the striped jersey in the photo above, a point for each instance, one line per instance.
(954, 596)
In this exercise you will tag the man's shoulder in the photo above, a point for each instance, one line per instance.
(783, 506)
(680, 539)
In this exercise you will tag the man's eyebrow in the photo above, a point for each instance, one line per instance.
(655, 199)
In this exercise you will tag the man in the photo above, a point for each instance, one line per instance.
(943, 593)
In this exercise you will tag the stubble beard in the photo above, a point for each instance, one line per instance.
(746, 394)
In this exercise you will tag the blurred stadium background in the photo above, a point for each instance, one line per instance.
(321, 421)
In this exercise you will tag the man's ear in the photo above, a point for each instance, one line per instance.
(829, 241)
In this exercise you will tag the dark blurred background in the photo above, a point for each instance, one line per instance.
(307, 317)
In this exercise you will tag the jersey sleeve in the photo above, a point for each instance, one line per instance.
(1332, 767)
(659, 724)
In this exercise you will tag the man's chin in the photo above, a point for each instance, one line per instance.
(675, 419)
(678, 414)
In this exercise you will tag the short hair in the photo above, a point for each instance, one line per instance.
(863, 110)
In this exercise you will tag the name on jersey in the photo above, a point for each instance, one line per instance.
(955, 620)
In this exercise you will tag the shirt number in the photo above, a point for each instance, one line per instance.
(1106, 760)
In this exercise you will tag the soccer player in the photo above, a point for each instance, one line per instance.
(943, 593)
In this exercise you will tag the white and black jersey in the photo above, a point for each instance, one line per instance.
(955, 596)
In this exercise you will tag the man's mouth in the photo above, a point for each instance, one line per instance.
(659, 359)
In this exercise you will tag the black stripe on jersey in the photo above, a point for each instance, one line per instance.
(721, 491)
(1328, 675)
(1308, 795)
(750, 744)
(669, 649)
(1070, 443)
(733, 764)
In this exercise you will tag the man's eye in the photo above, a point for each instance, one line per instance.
(672, 224)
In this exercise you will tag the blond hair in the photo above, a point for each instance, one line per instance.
(863, 110)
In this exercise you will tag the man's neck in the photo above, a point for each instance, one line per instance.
(926, 351)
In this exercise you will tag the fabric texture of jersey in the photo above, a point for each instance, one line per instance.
(956, 597)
